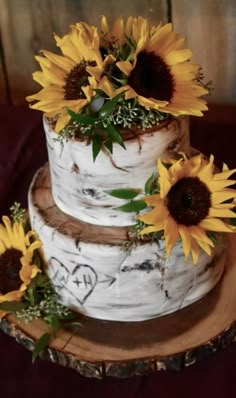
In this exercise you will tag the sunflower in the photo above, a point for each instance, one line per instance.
(65, 80)
(115, 35)
(16, 254)
(159, 75)
(191, 201)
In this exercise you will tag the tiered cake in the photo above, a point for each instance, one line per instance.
(123, 239)
(84, 238)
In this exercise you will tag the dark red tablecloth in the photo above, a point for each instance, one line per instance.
(22, 152)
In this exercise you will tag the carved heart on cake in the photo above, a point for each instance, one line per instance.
(84, 280)
(79, 283)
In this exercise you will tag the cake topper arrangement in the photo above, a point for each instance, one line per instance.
(133, 75)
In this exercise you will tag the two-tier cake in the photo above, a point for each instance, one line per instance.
(129, 216)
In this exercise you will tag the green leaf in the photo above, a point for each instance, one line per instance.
(212, 236)
(97, 144)
(115, 136)
(12, 306)
(68, 316)
(88, 132)
(124, 193)
(76, 323)
(109, 144)
(81, 119)
(152, 186)
(100, 92)
(109, 106)
(133, 206)
(40, 345)
(53, 321)
(148, 184)
(233, 221)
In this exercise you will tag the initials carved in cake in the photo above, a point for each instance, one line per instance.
(78, 283)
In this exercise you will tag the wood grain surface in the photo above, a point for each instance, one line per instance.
(121, 349)
(210, 28)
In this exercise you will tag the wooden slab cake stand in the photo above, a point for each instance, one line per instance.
(99, 348)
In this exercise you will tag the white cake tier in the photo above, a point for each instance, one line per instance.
(94, 275)
(79, 184)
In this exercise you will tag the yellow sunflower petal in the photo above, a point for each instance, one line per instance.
(125, 67)
(19, 237)
(104, 25)
(213, 224)
(206, 174)
(65, 63)
(28, 272)
(177, 56)
(228, 206)
(194, 251)
(2, 247)
(15, 295)
(153, 200)
(154, 217)
(67, 47)
(8, 226)
(224, 175)
(219, 184)
(40, 78)
(199, 234)
(224, 213)
(204, 246)
(62, 121)
(221, 196)
(151, 103)
(3, 314)
(149, 230)
(35, 245)
(186, 240)
(164, 179)
(159, 36)
(171, 234)
(4, 237)
(177, 171)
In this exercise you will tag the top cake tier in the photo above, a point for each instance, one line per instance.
(80, 185)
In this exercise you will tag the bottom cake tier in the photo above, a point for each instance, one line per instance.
(94, 274)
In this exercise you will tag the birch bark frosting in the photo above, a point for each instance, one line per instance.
(94, 275)
(80, 185)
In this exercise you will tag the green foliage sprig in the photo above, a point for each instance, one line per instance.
(135, 206)
(41, 301)
(103, 119)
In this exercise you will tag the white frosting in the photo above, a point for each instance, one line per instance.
(79, 184)
(104, 281)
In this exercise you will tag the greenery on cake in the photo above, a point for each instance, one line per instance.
(132, 75)
(25, 290)
(186, 200)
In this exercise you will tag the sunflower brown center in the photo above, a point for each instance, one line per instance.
(10, 266)
(189, 201)
(151, 77)
(77, 78)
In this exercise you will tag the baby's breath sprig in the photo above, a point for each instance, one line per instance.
(18, 214)
(102, 121)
